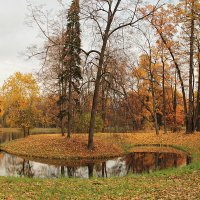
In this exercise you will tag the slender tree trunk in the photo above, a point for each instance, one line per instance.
(103, 107)
(164, 96)
(24, 130)
(191, 71)
(154, 111)
(94, 107)
(96, 92)
(103, 113)
(61, 98)
(196, 120)
(175, 105)
(154, 103)
(105, 38)
(69, 106)
(178, 72)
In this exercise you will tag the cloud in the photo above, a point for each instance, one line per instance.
(16, 36)
(7, 68)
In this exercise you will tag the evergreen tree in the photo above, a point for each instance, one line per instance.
(71, 57)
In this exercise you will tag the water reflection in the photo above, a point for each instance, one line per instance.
(11, 165)
(148, 162)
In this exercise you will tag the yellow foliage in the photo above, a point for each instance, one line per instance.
(20, 94)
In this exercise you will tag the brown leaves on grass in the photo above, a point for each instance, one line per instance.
(106, 145)
(190, 142)
(56, 146)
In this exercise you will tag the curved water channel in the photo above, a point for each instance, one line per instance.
(138, 162)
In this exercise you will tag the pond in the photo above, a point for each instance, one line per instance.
(137, 163)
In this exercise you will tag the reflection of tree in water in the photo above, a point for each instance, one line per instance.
(17, 166)
(135, 163)
(115, 167)
(62, 171)
(84, 172)
(26, 169)
(90, 170)
(12, 164)
(101, 169)
(71, 172)
(146, 162)
(104, 170)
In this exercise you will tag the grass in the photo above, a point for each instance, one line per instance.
(182, 185)
(32, 131)
(10, 130)
(179, 183)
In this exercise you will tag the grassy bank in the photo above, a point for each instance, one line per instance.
(168, 184)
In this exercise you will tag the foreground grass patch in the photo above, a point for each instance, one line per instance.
(180, 186)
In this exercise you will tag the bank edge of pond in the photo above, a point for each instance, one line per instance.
(164, 184)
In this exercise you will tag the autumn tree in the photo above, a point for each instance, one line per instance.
(166, 22)
(20, 94)
(60, 56)
(49, 111)
(106, 16)
(189, 17)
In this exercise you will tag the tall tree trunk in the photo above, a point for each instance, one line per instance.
(62, 95)
(175, 105)
(154, 103)
(69, 106)
(197, 113)
(94, 104)
(61, 107)
(104, 102)
(178, 72)
(103, 108)
(154, 112)
(164, 95)
(191, 71)
(97, 87)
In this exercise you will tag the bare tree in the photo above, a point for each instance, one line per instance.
(110, 17)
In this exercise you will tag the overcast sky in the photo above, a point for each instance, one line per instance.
(15, 36)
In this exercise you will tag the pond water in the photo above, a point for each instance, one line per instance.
(138, 162)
